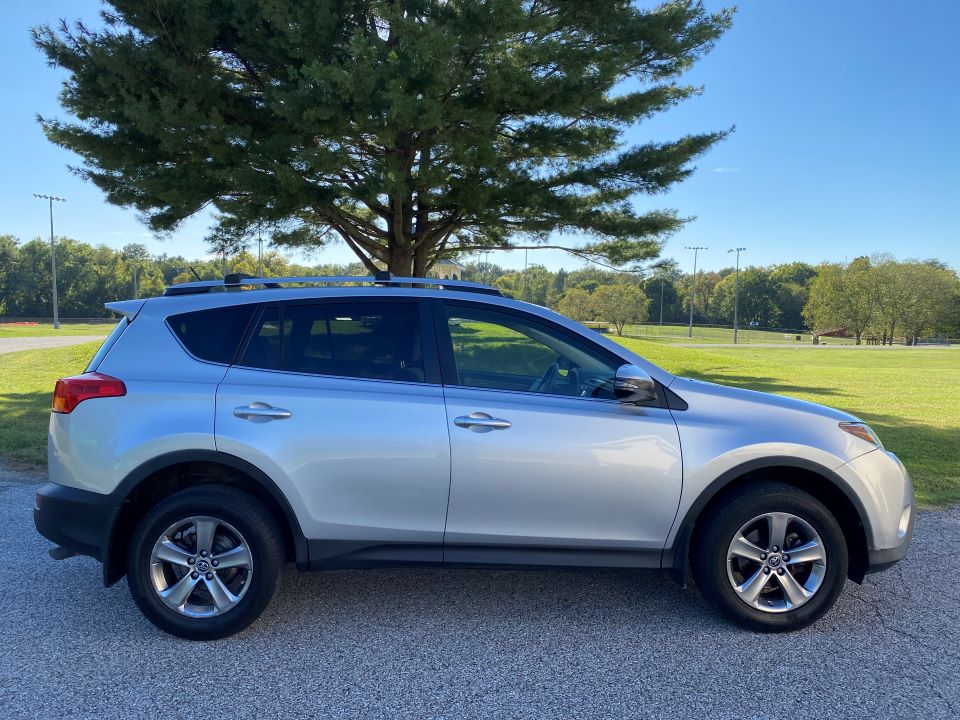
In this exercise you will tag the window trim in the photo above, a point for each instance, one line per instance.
(431, 361)
(448, 365)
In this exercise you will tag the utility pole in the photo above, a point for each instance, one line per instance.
(736, 293)
(661, 303)
(693, 289)
(525, 275)
(53, 257)
(259, 251)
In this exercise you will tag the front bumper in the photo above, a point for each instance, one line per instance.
(78, 520)
(882, 558)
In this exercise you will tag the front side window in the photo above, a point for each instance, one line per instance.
(502, 351)
(379, 341)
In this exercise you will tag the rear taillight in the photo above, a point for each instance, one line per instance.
(72, 391)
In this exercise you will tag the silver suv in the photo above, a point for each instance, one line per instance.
(227, 428)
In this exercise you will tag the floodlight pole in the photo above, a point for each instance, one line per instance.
(259, 251)
(661, 303)
(693, 290)
(53, 257)
(736, 293)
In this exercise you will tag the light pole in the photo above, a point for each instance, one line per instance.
(661, 303)
(53, 257)
(693, 289)
(736, 293)
(259, 251)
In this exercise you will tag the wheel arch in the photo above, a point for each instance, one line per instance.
(824, 484)
(166, 474)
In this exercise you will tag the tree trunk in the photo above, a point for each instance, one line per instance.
(859, 334)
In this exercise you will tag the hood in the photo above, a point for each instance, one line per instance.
(688, 386)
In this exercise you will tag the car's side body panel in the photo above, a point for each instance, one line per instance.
(568, 473)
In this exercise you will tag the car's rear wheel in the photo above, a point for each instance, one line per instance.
(770, 557)
(205, 562)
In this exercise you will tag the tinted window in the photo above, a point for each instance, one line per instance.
(504, 351)
(379, 341)
(212, 335)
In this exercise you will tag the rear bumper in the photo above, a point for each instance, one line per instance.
(78, 520)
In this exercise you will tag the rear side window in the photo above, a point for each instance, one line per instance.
(212, 335)
(379, 341)
(108, 343)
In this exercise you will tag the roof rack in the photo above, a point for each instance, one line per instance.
(235, 281)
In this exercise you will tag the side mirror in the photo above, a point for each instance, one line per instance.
(632, 384)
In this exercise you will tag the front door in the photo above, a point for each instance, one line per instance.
(546, 466)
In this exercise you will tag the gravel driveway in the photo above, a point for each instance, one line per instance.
(475, 643)
(15, 344)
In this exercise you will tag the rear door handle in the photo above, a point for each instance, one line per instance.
(481, 422)
(261, 412)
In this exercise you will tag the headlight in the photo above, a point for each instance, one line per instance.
(862, 431)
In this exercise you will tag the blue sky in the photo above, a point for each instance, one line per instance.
(847, 139)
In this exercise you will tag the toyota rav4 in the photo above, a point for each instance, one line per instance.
(227, 428)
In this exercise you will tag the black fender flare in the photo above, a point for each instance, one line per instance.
(675, 556)
(112, 570)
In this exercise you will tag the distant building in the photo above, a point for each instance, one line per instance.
(447, 270)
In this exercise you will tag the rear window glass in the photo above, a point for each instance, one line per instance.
(108, 343)
(212, 335)
(379, 341)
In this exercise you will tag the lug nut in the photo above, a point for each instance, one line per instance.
(209, 576)
(779, 571)
(763, 556)
(786, 558)
(776, 549)
(766, 571)
(203, 553)
(194, 574)
(191, 560)
(215, 563)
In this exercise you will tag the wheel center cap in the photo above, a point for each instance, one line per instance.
(202, 565)
(773, 560)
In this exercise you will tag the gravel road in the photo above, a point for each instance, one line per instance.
(15, 344)
(475, 644)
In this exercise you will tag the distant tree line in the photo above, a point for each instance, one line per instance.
(875, 297)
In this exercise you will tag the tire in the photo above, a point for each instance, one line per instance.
(794, 591)
(223, 591)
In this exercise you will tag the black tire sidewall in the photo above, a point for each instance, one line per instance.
(232, 506)
(710, 562)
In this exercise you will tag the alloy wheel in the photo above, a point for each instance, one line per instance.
(776, 562)
(201, 566)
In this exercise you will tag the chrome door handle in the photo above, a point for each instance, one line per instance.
(262, 412)
(481, 422)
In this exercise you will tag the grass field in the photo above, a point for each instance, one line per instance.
(910, 396)
(44, 329)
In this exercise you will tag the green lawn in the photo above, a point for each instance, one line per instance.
(910, 396)
(26, 388)
(44, 329)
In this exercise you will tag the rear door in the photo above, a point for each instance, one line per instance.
(340, 403)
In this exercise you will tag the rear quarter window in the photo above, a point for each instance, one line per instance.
(108, 343)
(212, 335)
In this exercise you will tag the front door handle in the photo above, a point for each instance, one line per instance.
(481, 422)
(261, 412)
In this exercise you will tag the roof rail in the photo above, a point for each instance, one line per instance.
(235, 281)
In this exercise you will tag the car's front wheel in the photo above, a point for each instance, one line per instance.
(770, 557)
(205, 562)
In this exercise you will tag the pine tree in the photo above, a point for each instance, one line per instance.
(412, 130)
